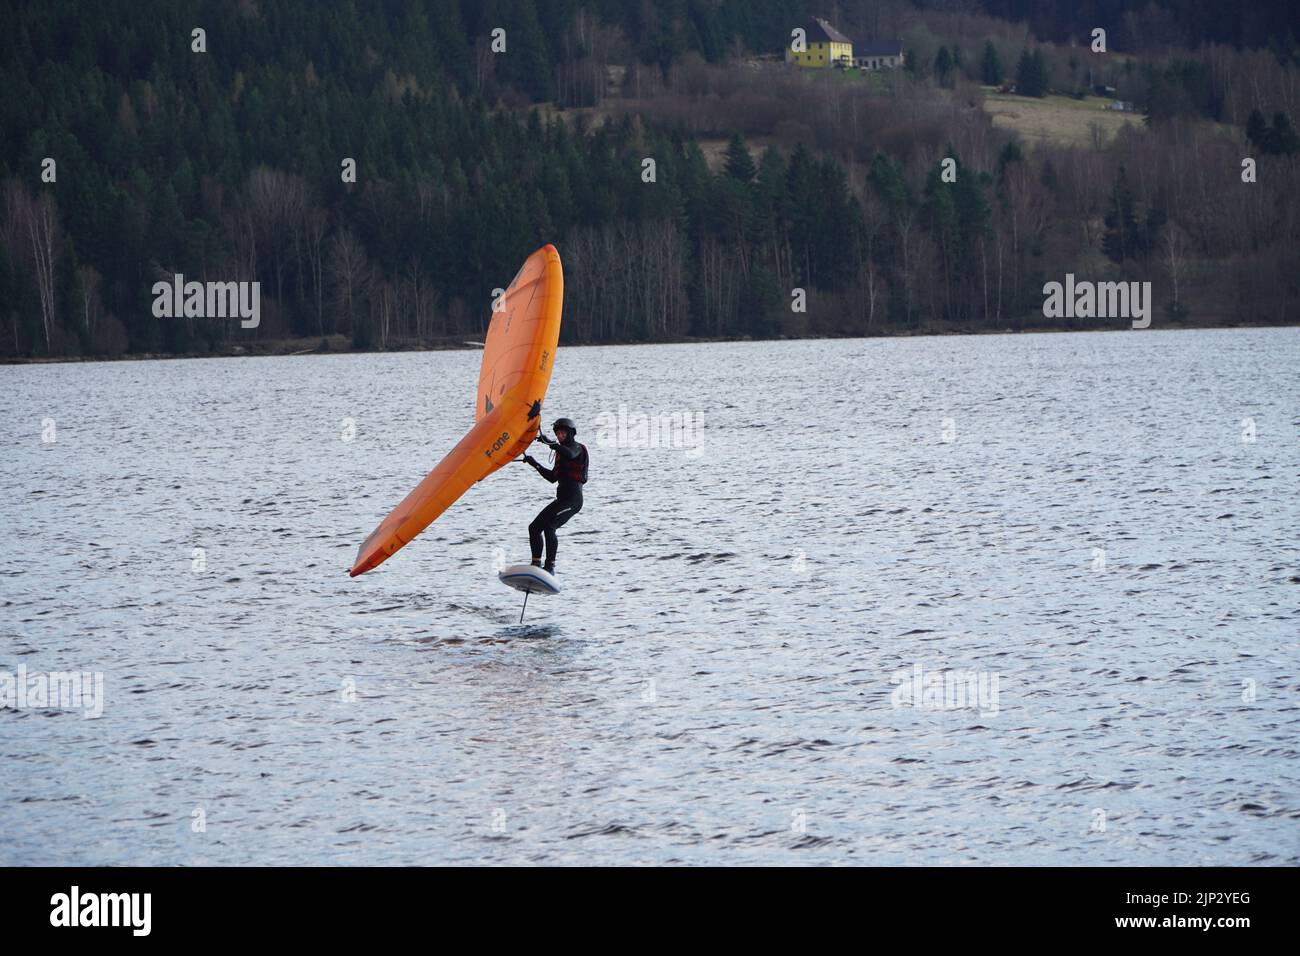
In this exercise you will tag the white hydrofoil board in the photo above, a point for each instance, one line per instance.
(529, 578)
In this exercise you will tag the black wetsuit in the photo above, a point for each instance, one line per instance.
(570, 474)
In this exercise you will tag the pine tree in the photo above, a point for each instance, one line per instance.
(1011, 153)
(1031, 74)
(1121, 239)
(991, 65)
(1042, 74)
(740, 165)
(1024, 71)
(1257, 130)
(943, 65)
(886, 178)
(1282, 137)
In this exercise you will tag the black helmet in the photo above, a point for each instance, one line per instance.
(566, 423)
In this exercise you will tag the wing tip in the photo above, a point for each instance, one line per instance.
(367, 563)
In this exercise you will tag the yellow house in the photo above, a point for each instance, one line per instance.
(823, 46)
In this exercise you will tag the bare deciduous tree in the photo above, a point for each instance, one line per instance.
(349, 272)
(32, 234)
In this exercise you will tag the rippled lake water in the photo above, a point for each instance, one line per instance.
(1099, 530)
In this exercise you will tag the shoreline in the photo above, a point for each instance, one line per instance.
(281, 348)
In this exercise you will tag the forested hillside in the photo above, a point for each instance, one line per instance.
(227, 164)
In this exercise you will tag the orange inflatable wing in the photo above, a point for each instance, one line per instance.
(517, 360)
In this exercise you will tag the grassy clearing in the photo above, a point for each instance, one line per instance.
(1057, 120)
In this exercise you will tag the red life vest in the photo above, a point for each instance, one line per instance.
(574, 469)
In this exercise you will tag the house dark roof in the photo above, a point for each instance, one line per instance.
(819, 31)
(878, 48)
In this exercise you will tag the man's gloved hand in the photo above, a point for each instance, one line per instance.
(546, 441)
(530, 460)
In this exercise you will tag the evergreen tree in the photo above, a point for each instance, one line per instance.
(1257, 131)
(1278, 139)
(740, 165)
(1042, 73)
(1011, 153)
(1024, 72)
(1282, 137)
(1127, 235)
(886, 179)
(1031, 74)
(1121, 221)
(943, 66)
(990, 65)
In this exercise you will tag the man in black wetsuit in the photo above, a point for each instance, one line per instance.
(570, 474)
